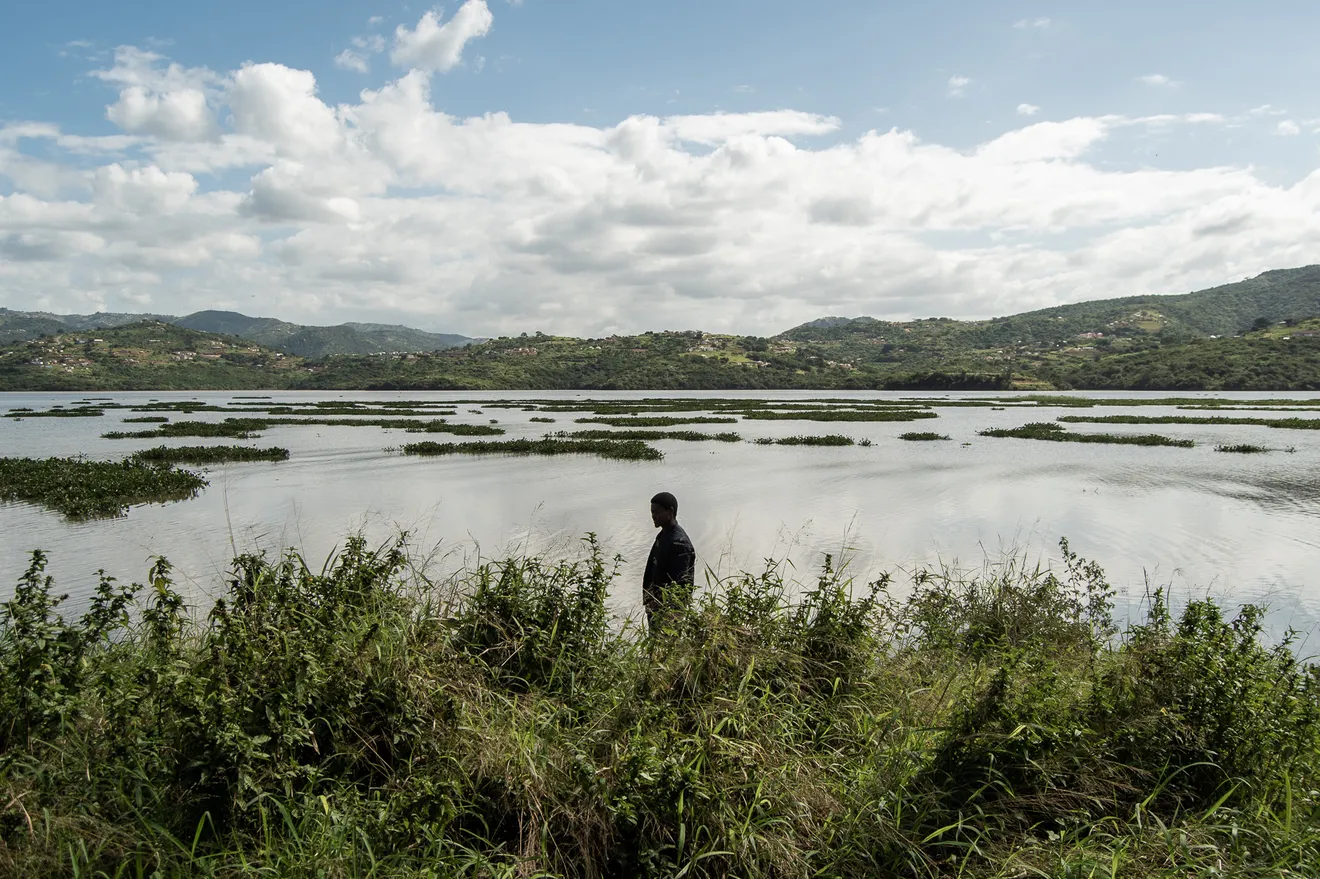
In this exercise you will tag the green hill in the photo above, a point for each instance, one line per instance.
(310, 341)
(150, 355)
(1227, 310)
(291, 338)
(1252, 335)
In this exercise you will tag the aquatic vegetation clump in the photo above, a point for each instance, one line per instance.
(147, 419)
(1277, 423)
(693, 436)
(230, 428)
(626, 450)
(83, 489)
(657, 420)
(829, 439)
(1241, 448)
(79, 412)
(840, 415)
(1048, 430)
(922, 436)
(210, 454)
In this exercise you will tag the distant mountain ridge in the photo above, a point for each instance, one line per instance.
(1226, 310)
(298, 339)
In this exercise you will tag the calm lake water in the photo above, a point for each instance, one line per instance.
(1236, 527)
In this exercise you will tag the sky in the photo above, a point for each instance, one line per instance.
(490, 167)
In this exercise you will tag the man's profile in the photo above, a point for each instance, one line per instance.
(673, 558)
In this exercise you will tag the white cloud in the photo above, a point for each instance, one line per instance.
(356, 58)
(1287, 128)
(1027, 109)
(351, 60)
(1032, 23)
(958, 86)
(278, 105)
(435, 46)
(1159, 80)
(389, 208)
(170, 102)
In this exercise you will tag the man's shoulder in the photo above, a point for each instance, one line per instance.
(680, 537)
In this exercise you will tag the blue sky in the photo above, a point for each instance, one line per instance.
(1019, 155)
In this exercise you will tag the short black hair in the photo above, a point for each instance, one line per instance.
(666, 500)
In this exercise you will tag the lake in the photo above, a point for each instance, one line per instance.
(1196, 521)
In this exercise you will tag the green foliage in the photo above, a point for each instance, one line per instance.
(361, 720)
(79, 412)
(657, 420)
(628, 450)
(83, 489)
(209, 454)
(694, 436)
(921, 436)
(829, 439)
(535, 625)
(841, 415)
(1243, 448)
(1281, 423)
(1047, 430)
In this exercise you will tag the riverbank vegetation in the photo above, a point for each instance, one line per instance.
(1048, 430)
(359, 720)
(83, 489)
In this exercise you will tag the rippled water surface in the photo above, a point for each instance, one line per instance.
(1238, 527)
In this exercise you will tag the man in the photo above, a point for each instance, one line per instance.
(672, 561)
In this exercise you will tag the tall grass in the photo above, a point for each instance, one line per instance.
(358, 720)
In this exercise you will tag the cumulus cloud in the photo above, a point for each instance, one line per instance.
(170, 102)
(1039, 24)
(958, 86)
(435, 46)
(1027, 109)
(387, 207)
(1287, 128)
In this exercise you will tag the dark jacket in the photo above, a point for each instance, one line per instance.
(673, 560)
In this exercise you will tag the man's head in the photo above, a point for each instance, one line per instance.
(664, 510)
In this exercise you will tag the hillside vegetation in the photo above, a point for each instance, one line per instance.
(288, 338)
(1259, 334)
